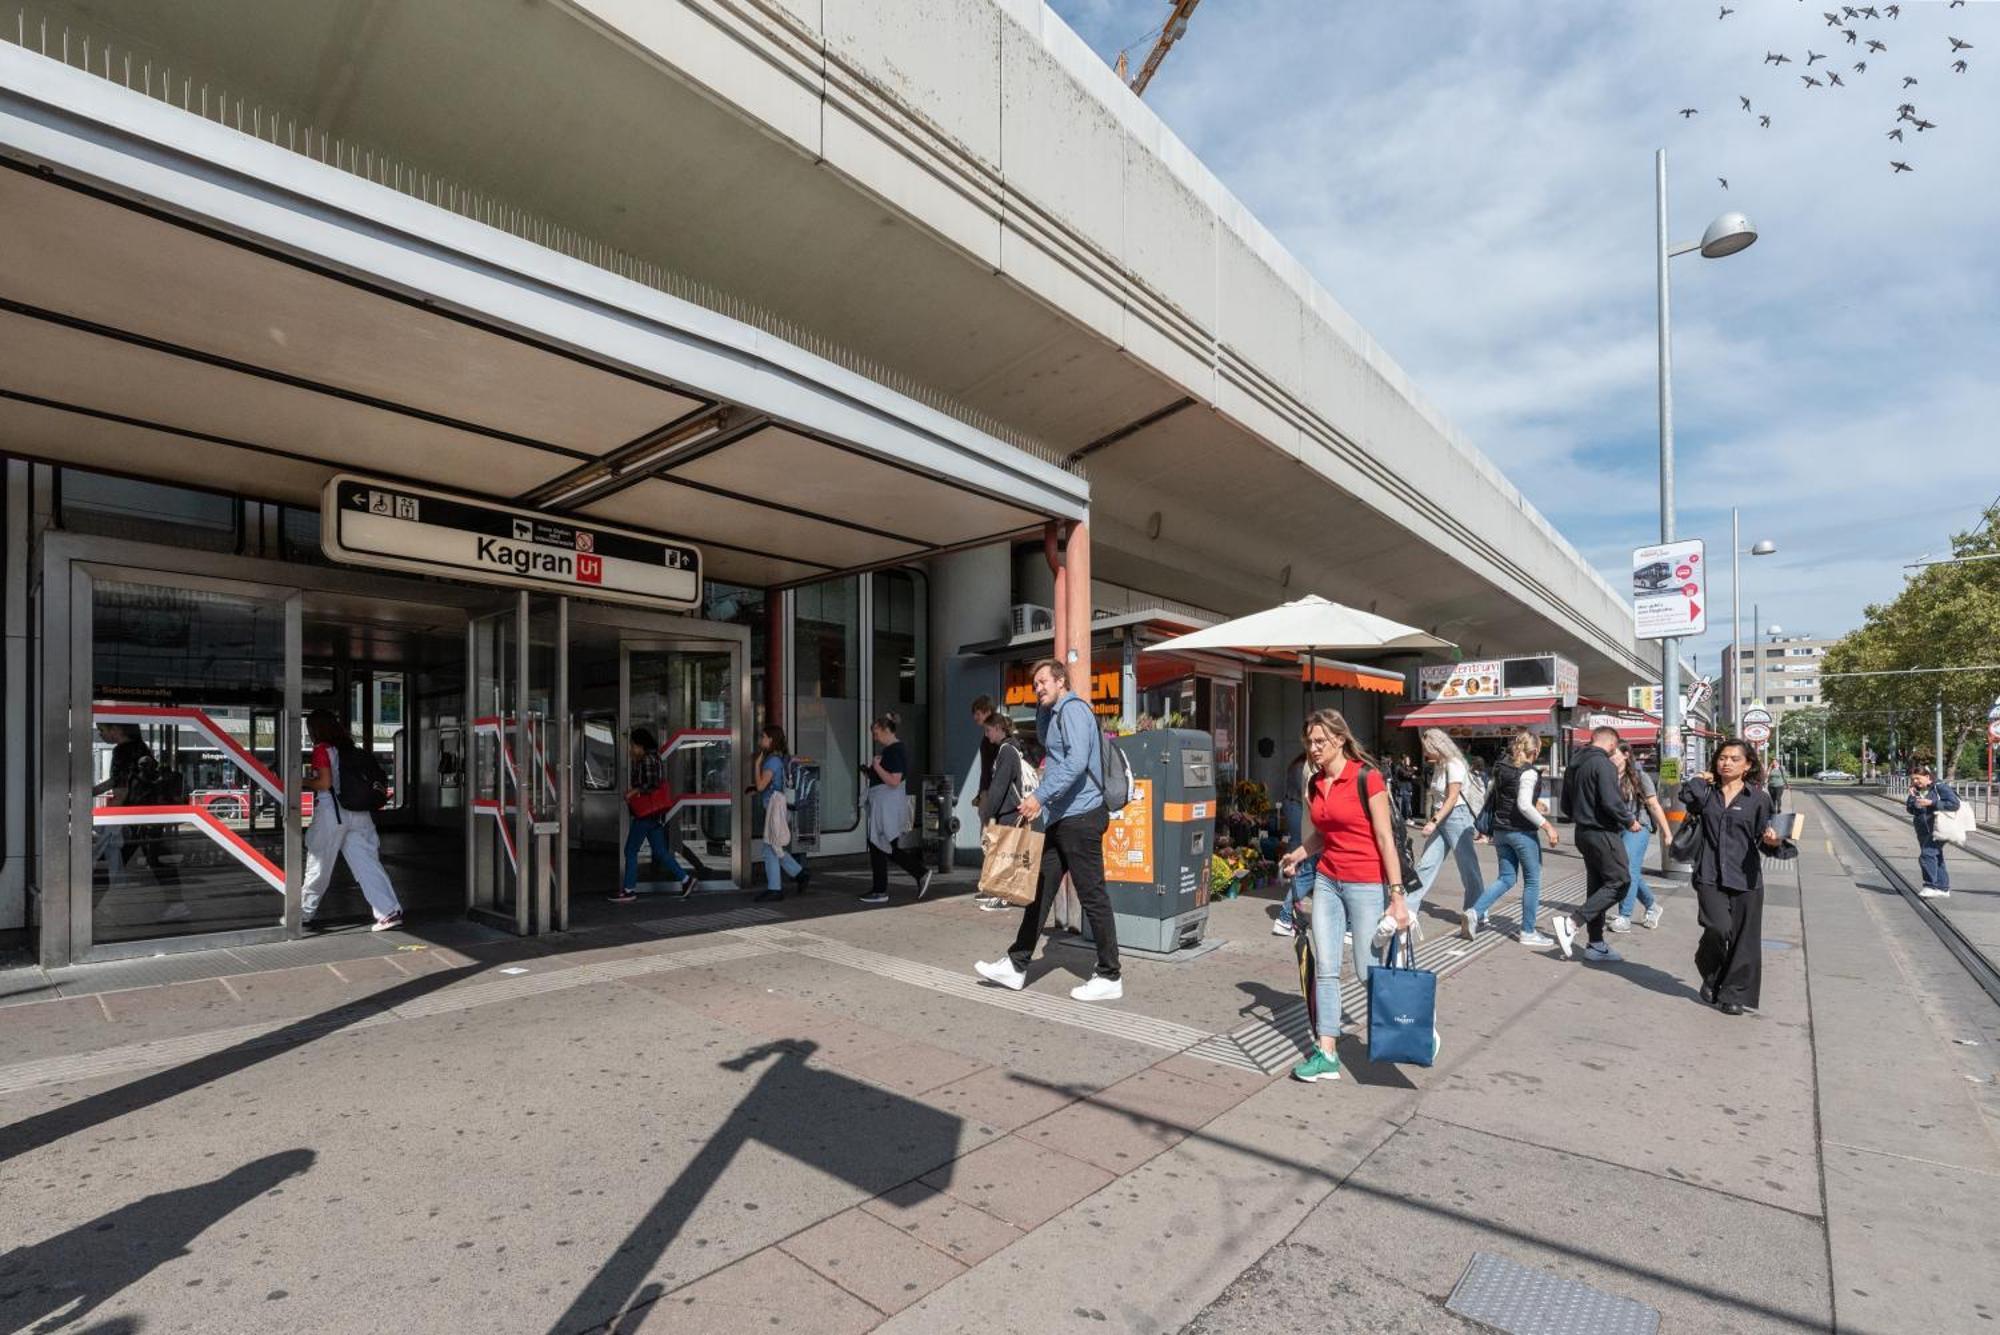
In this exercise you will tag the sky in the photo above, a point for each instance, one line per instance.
(1473, 180)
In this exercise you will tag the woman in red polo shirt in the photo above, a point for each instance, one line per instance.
(1355, 862)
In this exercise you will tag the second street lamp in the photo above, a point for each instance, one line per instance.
(1765, 547)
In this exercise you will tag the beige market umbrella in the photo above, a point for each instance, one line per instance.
(1308, 625)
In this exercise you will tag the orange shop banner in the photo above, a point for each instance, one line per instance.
(1107, 693)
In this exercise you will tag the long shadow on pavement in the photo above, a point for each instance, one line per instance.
(789, 1110)
(1612, 1261)
(64, 1278)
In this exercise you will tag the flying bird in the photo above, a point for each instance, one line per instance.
(1764, 121)
(1850, 11)
(1744, 100)
(1723, 15)
(1851, 35)
(1812, 57)
(1895, 11)
(1900, 166)
(1957, 45)
(1687, 112)
(1897, 134)
(1832, 20)
(1860, 67)
(1908, 82)
(1776, 58)
(1925, 125)
(1724, 180)
(1874, 45)
(1834, 79)
(1958, 67)
(1869, 13)
(1812, 82)
(1906, 112)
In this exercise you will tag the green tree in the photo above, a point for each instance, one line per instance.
(1946, 616)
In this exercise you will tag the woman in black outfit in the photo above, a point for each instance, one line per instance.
(1001, 800)
(885, 774)
(1736, 813)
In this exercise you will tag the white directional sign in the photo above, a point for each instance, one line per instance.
(1757, 732)
(374, 523)
(1669, 590)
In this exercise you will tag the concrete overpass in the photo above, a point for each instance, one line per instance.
(961, 199)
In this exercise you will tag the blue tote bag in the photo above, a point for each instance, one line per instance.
(1402, 1008)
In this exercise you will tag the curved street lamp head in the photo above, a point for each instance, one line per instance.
(1774, 629)
(1764, 548)
(1726, 235)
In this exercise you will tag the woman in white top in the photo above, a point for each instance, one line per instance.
(1516, 821)
(1449, 830)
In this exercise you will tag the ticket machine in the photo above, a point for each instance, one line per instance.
(1157, 850)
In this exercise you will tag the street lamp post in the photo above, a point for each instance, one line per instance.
(1765, 547)
(1725, 236)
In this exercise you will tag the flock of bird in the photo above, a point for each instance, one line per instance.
(1846, 22)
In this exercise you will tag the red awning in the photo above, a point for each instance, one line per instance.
(1473, 713)
(1629, 730)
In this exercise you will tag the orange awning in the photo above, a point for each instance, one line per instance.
(1386, 683)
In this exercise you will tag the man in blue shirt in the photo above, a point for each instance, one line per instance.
(1071, 794)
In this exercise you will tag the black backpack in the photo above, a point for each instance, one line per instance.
(1398, 831)
(363, 784)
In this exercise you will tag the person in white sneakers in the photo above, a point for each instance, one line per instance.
(1927, 798)
(339, 831)
(1645, 800)
(1597, 805)
(1071, 792)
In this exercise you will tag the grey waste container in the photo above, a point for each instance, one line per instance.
(1157, 850)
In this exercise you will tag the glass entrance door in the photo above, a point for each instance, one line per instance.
(180, 761)
(519, 767)
(689, 695)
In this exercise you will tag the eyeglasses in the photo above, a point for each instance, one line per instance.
(1320, 743)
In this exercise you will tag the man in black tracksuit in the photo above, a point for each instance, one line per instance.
(1596, 802)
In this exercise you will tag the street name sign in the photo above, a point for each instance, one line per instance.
(1669, 590)
(364, 521)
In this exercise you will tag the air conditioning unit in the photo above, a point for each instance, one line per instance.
(1029, 618)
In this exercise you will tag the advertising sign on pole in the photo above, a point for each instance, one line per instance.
(1645, 699)
(1669, 590)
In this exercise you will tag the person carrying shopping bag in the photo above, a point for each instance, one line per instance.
(773, 801)
(1928, 797)
(1358, 872)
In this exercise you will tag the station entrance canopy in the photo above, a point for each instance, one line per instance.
(187, 302)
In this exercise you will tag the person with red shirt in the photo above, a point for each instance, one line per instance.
(1355, 865)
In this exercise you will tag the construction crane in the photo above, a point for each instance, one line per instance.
(1172, 31)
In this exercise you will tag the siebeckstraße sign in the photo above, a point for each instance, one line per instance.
(364, 521)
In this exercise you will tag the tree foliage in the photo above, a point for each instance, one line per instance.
(1946, 616)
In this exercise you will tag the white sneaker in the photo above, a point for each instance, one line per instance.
(1621, 923)
(994, 905)
(1279, 929)
(1928, 892)
(1654, 914)
(1003, 972)
(176, 912)
(1468, 926)
(1602, 953)
(924, 884)
(1532, 939)
(388, 924)
(1099, 989)
(1565, 933)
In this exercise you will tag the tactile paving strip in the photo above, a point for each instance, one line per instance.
(1520, 1300)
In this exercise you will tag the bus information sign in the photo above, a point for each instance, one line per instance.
(1669, 590)
(398, 527)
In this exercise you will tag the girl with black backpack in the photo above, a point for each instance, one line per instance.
(342, 830)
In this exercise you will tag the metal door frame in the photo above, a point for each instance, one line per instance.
(68, 631)
(736, 643)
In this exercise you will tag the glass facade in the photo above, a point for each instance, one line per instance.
(826, 684)
(901, 658)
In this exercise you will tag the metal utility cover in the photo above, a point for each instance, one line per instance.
(1524, 1301)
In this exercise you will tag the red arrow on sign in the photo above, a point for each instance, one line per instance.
(1694, 609)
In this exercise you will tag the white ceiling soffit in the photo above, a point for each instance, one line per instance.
(181, 165)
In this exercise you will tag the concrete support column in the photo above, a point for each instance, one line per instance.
(1052, 537)
(1076, 563)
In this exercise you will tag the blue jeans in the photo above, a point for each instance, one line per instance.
(1930, 855)
(1453, 837)
(646, 830)
(774, 858)
(1301, 887)
(1635, 857)
(1519, 852)
(1338, 907)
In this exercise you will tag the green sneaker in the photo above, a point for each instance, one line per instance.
(1319, 1066)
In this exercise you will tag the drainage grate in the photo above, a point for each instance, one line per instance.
(1523, 1301)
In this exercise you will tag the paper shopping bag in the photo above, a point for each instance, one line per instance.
(1013, 867)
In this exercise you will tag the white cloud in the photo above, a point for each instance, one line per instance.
(1474, 183)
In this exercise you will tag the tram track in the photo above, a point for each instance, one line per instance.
(1969, 955)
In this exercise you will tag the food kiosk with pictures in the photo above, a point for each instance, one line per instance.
(1481, 703)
